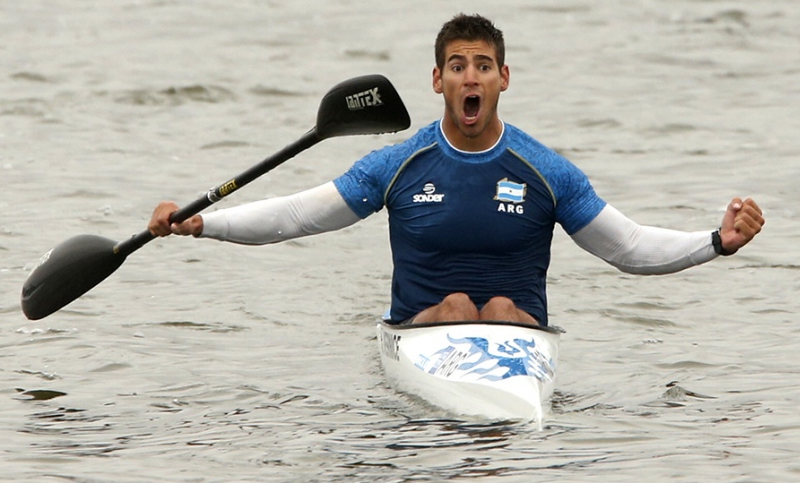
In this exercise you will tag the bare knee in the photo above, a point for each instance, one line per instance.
(458, 306)
(457, 300)
(499, 304)
(454, 307)
(503, 308)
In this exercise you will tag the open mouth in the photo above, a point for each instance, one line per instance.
(472, 106)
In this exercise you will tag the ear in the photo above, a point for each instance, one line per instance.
(505, 75)
(437, 80)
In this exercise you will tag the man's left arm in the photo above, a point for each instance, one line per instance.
(649, 250)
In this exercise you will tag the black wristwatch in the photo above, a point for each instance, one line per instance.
(716, 240)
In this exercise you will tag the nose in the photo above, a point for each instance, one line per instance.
(470, 74)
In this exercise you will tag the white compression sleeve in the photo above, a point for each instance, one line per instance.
(273, 220)
(645, 250)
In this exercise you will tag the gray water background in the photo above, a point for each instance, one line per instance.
(204, 362)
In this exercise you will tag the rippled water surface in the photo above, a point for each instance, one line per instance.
(205, 362)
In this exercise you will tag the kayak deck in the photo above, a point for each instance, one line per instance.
(490, 369)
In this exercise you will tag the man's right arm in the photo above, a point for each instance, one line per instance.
(273, 220)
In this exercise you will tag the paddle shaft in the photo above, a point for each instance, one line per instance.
(216, 194)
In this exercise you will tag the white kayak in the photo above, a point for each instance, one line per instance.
(490, 369)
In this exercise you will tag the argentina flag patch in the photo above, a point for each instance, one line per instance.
(510, 192)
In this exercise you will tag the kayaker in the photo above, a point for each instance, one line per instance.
(472, 204)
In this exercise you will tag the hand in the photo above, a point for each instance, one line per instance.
(742, 221)
(160, 226)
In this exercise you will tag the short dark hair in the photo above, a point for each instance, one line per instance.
(470, 28)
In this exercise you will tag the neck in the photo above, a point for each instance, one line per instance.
(485, 141)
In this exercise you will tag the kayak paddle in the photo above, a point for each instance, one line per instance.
(362, 105)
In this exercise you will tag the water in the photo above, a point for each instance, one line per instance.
(204, 362)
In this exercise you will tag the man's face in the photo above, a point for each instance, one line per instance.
(471, 82)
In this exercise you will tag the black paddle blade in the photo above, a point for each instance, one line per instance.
(66, 272)
(362, 105)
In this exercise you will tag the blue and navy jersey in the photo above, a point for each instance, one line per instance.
(477, 223)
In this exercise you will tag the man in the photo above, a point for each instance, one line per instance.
(472, 204)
